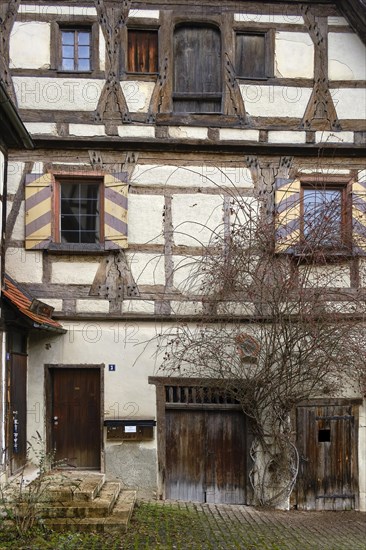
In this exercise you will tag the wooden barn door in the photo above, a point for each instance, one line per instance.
(327, 445)
(76, 417)
(206, 456)
(18, 411)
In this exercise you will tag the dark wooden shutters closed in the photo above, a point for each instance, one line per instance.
(142, 51)
(38, 210)
(251, 55)
(327, 445)
(207, 456)
(197, 70)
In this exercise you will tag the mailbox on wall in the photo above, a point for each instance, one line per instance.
(130, 430)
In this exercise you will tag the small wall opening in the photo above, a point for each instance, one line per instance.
(324, 435)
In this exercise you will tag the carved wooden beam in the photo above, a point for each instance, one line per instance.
(112, 108)
(320, 112)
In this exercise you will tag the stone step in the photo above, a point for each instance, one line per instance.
(72, 486)
(100, 506)
(116, 522)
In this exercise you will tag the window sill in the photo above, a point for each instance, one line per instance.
(151, 77)
(76, 248)
(321, 254)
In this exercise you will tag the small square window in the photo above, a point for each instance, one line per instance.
(324, 435)
(142, 51)
(75, 50)
(251, 55)
(79, 216)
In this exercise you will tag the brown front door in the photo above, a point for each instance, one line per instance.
(17, 437)
(76, 417)
(207, 456)
(327, 445)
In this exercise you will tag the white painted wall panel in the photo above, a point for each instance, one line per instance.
(294, 55)
(262, 17)
(147, 269)
(137, 95)
(347, 57)
(145, 219)
(24, 266)
(30, 45)
(350, 102)
(282, 101)
(195, 217)
(57, 10)
(69, 94)
(73, 272)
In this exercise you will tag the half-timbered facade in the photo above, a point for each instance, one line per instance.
(147, 117)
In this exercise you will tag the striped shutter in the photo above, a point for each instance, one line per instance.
(115, 210)
(288, 212)
(359, 217)
(38, 210)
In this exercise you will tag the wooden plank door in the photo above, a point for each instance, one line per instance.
(206, 456)
(76, 417)
(327, 445)
(17, 438)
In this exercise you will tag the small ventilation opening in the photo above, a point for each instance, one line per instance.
(323, 435)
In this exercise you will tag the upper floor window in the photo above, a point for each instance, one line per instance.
(75, 49)
(142, 51)
(324, 216)
(197, 79)
(79, 215)
(254, 54)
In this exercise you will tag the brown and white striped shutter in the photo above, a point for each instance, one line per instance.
(115, 210)
(38, 211)
(287, 214)
(359, 217)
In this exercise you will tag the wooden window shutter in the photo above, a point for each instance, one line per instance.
(38, 210)
(115, 210)
(359, 217)
(288, 213)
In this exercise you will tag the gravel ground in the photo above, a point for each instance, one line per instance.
(172, 525)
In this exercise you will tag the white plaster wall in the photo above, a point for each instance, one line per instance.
(147, 269)
(262, 17)
(74, 271)
(18, 230)
(362, 456)
(350, 102)
(334, 137)
(102, 52)
(68, 94)
(187, 277)
(56, 10)
(143, 131)
(283, 136)
(347, 57)
(137, 95)
(88, 130)
(145, 219)
(138, 306)
(30, 45)
(236, 134)
(187, 132)
(195, 218)
(34, 128)
(150, 14)
(281, 101)
(337, 276)
(92, 306)
(15, 172)
(294, 55)
(205, 175)
(24, 266)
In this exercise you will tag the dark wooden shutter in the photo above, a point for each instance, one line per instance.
(115, 210)
(197, 70)
(359, 217)
(288, 213)
(38, 210)
(251, 55)
(142, 51)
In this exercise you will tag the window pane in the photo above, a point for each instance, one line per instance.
(68, 38)
(322, 215)
(84, 52)
(250, 55)
(84, 65)
(84, 38)
(68, 52)
(79, 217)
(68, 64)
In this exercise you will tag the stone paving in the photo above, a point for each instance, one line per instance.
(172, 525)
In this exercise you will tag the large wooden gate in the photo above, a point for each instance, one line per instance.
(327, 445)
(206, 447)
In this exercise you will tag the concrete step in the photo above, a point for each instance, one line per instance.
(101, 506)
(116, 522)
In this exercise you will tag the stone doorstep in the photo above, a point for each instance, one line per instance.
(100, 506)
(116, 522)
(63, 487)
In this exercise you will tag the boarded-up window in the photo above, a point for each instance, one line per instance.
(142, 51)
(197, 70)
(251, 55)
